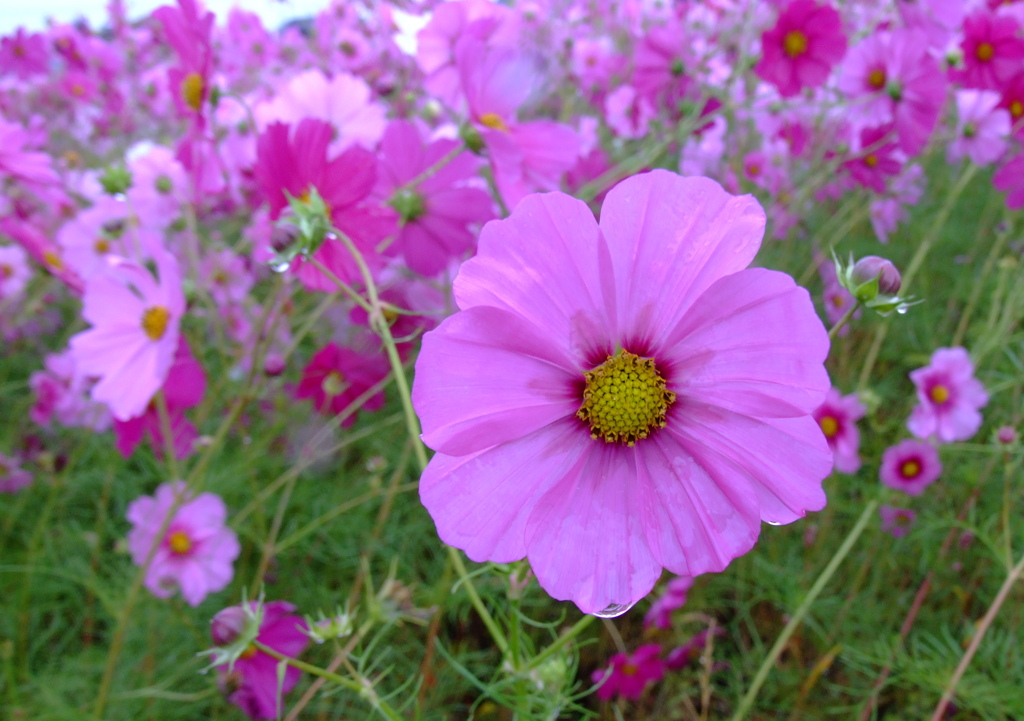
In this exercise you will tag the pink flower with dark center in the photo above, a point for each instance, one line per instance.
(12, 476)
(252, 683)
(197, 551)
(891, 77)
(134, 334)
(190, 34)
(600, 489)
(838, 417)
(23, 54)
(295, 163)
(800, 51)
(1009, 179)
(336, 377)
(14, 271)
(20, 163)
(183, 389)
(876, 160)
(62, 395)
(1012, 100)
(896, 521)
(993, 50)
(982, 128)
(949, 398)
(836, 299)
(660, 613)
(628, 675)
(910, 466)
(664, 64)
(441, 212)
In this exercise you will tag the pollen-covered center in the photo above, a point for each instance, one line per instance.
(180, 543)
(939, 394)
(333, 384)
(910, 469)
(794, 44)
(984, 52)
(493, 120)
(192, 90)
(625, 399)
(829, 426)
(154, 322)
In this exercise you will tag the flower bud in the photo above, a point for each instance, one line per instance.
(870, 267)
(228, 625)
(1006, 435)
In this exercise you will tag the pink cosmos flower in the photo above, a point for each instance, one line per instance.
(195, 554)
(14, 271)
(627, 113)
(537, 456)
(1010, 180)
(134, 333)
(183, 389)
(993, 50)
(252, 683)
(335, 377)
(910, 466)
(982, 128)
(629, 674)
(190, 34)
(896, 521)
(838, 417)
(160, 186)
(891, 77)
(20, 163)
(800, 51)
(439, 213)
(23, 54)
(876, 159)
(949, 398)
(836, 299)
(12, 476)
(1012, 100)
(62, 395)
(659, 615)
(682, 656)
(663, 67)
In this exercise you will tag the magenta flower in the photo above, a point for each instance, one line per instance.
(683, 656)
(876, 159)
(1009, 179)
(800, 51)
(896, 521)
(539, 457)
(949, 398)
(23, 54)
(12, 476)
(134, 333)
(336, 377)
(19, 163)
(190, 34)
(993, 50)
(61, 394)
(910, 466)
(659, 615)
(440, 211)
(838, 417)
(982, 128)
(14, 271)
(252, 683)
(629, 674)
(197, 551)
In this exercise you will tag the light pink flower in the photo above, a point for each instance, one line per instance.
(982, 128)
(62, 394)
(197, 551)
(160, 186)
(513, 391)
(19, 162)
(949, 398)
(14, 271)
(800, 51)
(12, 476)
(838, 417)
(627, 113)
(23, 54)
(252, 683)
(910, 466)
(134, 334)
(896, 521)
(629, 674)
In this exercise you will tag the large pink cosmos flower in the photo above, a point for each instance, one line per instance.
(800, 51)
(949, 397)
(134, 333)
(197, 551)
(619, 398)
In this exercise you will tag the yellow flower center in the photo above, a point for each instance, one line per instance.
(493, 120)
(984, 52)
(180, 543)
(101, 246)
(829, 426)
(910, 469)
(154, 321)
(625, 399)
(876, 78)
(249, 652)
(333, 384)
(192, 91)
(1016, 109)
(6, 271)
(871, 160)
(629, 669)
(939, 394)
(794, 44)
(53, 260)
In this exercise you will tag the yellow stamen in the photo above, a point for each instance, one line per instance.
(154, 322)
(53, 260)
(910, 469)
(984, 52)
(871, 160)
(6, 271)
(794, 44)
(180, 543)
(101, 246)
(829, 426)
(939, 394)
(630, 669)
(1017, 109)
(333, 384)
(493, 120)
(192, 91)
(625, 399)
(876, 78)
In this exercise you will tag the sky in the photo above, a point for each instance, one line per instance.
(33, 13)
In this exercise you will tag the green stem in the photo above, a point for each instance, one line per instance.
(561, 642)
(834, 330)
(766, 666)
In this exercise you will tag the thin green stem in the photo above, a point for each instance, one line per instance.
(747, 701)
(834, 330)
(561, 642)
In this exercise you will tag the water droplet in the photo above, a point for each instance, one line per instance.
(613, 610)
(902, 309)
(279, 266)
(773, 523)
